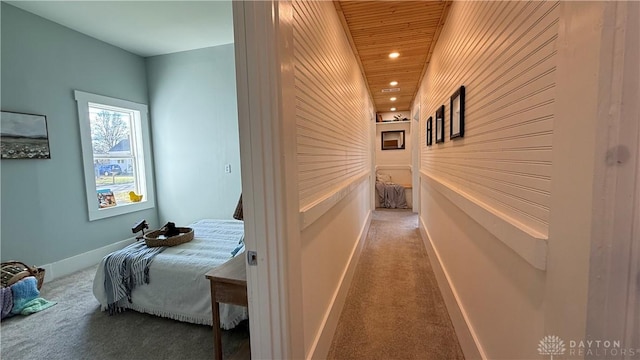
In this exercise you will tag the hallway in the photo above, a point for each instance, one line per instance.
(394, 309)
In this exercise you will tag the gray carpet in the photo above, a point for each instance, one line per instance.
(75, 328)
(394, 309)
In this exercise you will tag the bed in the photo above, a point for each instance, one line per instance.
(177, 287)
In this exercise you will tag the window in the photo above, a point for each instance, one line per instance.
(116, 155)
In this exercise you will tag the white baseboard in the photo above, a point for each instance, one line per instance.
(322, 343)
(469, 342)
(78, 262)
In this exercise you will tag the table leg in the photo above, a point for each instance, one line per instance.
(217, 338)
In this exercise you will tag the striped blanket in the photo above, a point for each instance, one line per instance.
(124, 269)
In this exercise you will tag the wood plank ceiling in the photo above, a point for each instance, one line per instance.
(378, 28)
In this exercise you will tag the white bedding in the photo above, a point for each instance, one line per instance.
(178, 288)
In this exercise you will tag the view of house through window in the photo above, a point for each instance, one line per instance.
(113, 142)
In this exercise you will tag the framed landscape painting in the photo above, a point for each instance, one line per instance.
(23, 136)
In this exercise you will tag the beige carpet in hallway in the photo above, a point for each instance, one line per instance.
(394, 309)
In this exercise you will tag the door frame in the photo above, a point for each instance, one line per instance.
(614, 273)
(415, 154)
(263, 33)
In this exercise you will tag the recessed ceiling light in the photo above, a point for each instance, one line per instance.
(393, 83)
(393, 109)
(393, 99)
(394, 55)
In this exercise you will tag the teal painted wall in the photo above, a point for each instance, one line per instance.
(43, 202)
(195, 133)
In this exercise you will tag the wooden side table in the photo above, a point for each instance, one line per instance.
(228, 285)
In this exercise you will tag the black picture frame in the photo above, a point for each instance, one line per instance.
(392, 140)
(24, 136)
(440, 125)
(430, 131)
(456, 114)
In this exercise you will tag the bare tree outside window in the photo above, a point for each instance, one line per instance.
(108, 128)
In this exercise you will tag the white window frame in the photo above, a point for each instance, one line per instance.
(83, 100)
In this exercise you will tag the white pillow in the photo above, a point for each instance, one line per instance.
(385, 178)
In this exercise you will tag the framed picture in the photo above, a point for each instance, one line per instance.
(392, 140)
(456, 114)
(106, 198)
(23, 136)
(430, 131)
(440, 125)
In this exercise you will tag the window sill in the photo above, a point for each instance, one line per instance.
(97, 214)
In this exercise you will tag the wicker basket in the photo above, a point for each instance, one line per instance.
(14, 271)
(151, 239)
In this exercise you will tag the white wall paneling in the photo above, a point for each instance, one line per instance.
(332, 104)
(485, 198)
(506, 60)
(551, 231)
(334, 125)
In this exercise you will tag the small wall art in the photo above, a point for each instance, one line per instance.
(23, 136)
(440, 125)
(456, 114)
(430, 131)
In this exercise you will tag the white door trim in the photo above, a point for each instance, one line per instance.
(266, 115)
(613, 280)
(372, 151)
(416, 146)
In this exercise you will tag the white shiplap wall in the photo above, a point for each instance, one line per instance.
(332, 107)
(504, 53)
